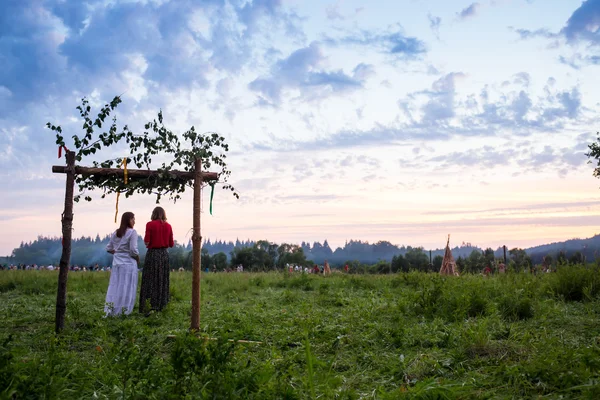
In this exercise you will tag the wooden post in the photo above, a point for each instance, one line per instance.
(504, 248)
(196, 246)
(65, 258)
(430, 261)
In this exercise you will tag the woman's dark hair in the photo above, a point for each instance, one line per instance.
(125, 223)
(159, 213)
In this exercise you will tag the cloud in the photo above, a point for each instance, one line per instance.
(470, 11)
(522, 78)
(355, 138)
(300, 70)
(549, 158)
(389, 42)
(440, 106)
(528, 208)
(353, 160)
(577, 61)
(478, 224)
(155, 53)
(56, 46)
(311, 198)
(584, 140)
(521, 106)
(29, 41)
(434, 24)
(333, 12)
(363, 71)
(517, 111)
(525, 34)
(441, 113)
(485, 157)
(569, 105)
(584, 23)
(583, 26)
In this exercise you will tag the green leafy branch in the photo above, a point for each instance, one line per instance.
(156, 139)
(594, 154)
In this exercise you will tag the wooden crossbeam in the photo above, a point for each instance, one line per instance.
(133, 173)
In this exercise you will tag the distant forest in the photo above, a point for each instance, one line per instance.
(91, 251)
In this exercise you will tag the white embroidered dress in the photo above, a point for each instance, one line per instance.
(122, 287)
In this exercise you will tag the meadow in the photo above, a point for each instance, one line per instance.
(409, 335)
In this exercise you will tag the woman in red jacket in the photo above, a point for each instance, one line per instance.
(155, 275)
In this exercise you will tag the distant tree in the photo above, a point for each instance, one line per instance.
(437, 262)
(593, 155)
(244, 256)
(561, 258)
(255, 258)
(205, 259)
(400, 264)
(353, 265)
(547, 261)
(576, 258)
(270, 249)
(290, 254)
(461, 264)
(475, 262)
(417, 259)
(220, 261)
(520, 259)
(384, 250)
(326, 249)
(178, 257)
(489, 257)
(382, 267)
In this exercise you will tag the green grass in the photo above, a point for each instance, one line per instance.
(341, 337)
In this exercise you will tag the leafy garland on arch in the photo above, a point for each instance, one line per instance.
(210, 147)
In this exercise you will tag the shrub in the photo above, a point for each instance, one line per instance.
(477, 305)
(302, 282)
(512, 308)
(575, 283)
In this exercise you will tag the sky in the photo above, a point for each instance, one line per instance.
(374, 120)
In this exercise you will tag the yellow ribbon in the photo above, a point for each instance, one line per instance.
(117, 207)
(124, 164)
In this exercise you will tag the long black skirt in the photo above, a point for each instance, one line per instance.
(155, 280)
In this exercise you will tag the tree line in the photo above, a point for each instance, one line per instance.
(379, 257)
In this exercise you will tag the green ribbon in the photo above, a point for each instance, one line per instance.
(212, 192)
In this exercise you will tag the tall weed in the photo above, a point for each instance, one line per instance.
(574, 283)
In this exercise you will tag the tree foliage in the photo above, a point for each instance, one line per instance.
(594, 155)
(156, 139)
(519, 259)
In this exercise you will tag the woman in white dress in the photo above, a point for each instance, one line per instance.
(122, 287)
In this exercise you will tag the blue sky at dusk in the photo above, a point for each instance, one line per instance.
(401, 121)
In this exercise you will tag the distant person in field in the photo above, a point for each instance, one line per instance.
(502, 268)
(326, 269)
(122, 287)
(155, 275)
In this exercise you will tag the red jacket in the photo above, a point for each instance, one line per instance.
(159, 234)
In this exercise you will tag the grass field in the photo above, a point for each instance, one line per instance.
(340, 337)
